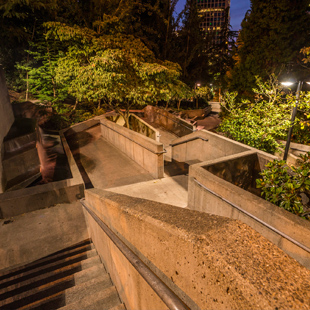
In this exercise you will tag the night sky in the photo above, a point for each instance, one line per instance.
(238, 9)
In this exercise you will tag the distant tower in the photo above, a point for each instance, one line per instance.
(216, 18)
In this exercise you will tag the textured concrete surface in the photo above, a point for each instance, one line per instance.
(145, 151)
(6, 120)
(171, 191)
(213, 261)
(221, 177)
(101, 164)
(28, 237)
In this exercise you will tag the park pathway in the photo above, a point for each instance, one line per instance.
(103, 166)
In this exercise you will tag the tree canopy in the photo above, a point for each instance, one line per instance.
(272, 35)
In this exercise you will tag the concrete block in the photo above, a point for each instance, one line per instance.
(282, 220)
(211, 262)
(141, 149)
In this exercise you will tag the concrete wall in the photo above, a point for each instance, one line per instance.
(136, 124)
(143, 150)
(202, 200)
(217, 146)
(168, 121)
(6, 120)
(44, 196)
(21, 167)
(210, 262)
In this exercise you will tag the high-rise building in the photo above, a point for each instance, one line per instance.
(215, 17)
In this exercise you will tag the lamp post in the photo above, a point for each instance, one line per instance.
(294, 112)
(196, 86)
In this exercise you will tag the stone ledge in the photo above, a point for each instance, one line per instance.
(208, 260)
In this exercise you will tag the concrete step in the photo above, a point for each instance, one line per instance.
(54, 275)
(49, 267)
(104, 300)
(42, 291)
(76, 249)
(72, 295)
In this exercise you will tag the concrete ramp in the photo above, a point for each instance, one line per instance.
(101, 164)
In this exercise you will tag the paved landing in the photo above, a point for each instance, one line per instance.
(30, 236)
(172, 191)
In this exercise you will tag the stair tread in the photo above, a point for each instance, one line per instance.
(68, 281)
(103, 300)
(73, 294)
(46, 268)
(85, 245)
(76, 269)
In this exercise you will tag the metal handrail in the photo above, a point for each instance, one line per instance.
(188, 140)
(164, 151)
(255, 218)
(172, 301)
(175, 121)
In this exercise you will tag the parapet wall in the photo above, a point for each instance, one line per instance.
(209, 261)
(43, 196)
(170, 122)
(212, 189)
(145, 151)
(6, 120)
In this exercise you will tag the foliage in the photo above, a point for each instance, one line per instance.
(285, 186)
(272, 35)
(301, 127)
(41, 72)
(259, 124)
(204, 92)
(117, 69)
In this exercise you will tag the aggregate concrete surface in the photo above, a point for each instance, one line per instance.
(217, 257)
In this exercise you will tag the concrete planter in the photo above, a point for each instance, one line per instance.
(226, 187)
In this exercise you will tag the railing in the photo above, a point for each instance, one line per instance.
(188, 140)
(178, 122)
(255, 218)
(172, 301)
(164, 151)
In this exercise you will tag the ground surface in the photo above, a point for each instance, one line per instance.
(30, 236)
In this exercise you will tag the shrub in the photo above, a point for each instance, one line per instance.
(287, 187)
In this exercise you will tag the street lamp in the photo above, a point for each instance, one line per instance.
(197, 84)
(294, 112)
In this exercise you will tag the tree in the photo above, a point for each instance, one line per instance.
(116, 69)
(261, 123)
(272, 34)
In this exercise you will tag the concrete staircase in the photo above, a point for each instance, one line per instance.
(73, 278)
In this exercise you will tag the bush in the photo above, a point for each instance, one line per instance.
(262, 123)
(288, 187)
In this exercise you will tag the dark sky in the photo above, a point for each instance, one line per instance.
(238, 9)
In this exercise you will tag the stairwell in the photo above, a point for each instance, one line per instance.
(73, 278)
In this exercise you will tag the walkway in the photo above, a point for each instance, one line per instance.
(104, 166)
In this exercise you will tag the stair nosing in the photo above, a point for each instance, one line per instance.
(41, 288)
(41, 302)
(59, 271)
(60, 253)
(31, 271)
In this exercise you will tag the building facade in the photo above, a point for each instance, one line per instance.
(216, 17)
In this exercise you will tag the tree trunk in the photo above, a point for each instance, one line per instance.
(76, 103)
(179, 104)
